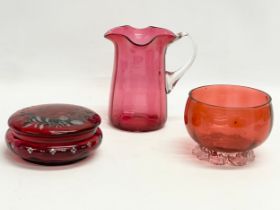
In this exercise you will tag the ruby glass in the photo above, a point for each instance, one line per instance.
(227, 122)
(54, 134)
(140, 80)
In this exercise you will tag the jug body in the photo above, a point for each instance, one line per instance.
(138, 97)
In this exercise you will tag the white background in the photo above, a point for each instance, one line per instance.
(54, 52)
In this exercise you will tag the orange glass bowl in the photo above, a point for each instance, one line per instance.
(228, 121)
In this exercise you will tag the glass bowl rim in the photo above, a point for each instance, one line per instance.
(229, 107)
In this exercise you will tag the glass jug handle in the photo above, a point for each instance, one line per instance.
(173, 77)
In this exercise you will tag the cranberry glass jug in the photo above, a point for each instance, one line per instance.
(140, 81)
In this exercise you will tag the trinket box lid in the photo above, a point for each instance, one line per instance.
(54, 120)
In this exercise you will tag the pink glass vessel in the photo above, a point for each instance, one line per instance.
(140, 81)
(228, 121)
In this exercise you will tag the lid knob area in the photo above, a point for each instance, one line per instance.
(54, 134)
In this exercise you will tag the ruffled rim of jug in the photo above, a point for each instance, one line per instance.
(139, 36)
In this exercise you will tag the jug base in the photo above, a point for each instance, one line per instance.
(138, 122)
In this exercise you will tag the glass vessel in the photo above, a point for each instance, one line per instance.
(54, 134)
(140, 81)
(227, 122)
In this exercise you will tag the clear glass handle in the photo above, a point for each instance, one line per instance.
(173, 77)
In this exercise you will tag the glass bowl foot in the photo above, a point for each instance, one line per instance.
(223, 158)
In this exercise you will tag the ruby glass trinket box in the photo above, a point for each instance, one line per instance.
(54, 134)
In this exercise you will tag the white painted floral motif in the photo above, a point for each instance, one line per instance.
(42, 122)
(74, 150)
(52, 151)
(30, 150)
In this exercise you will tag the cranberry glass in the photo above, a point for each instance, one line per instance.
(140, 82)
(228, 121)
(54, 134)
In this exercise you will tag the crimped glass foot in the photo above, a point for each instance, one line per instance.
(223, 158)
